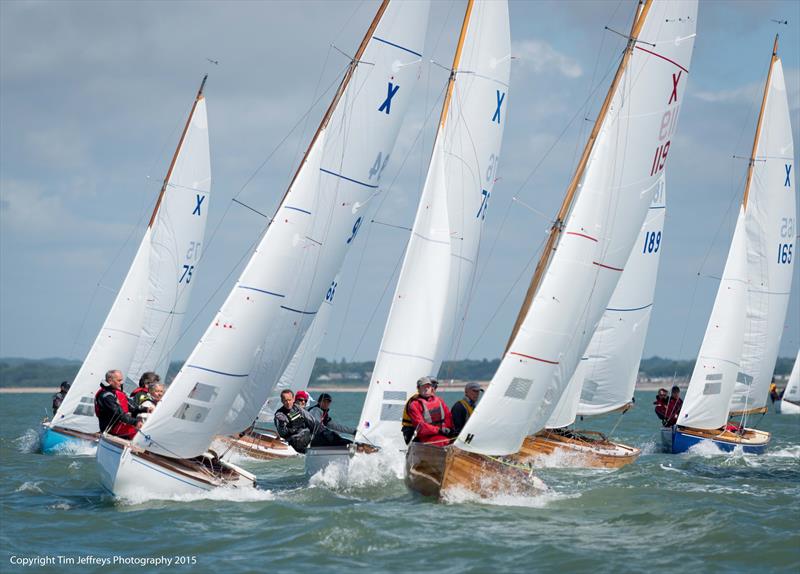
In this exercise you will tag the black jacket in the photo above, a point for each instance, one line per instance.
(325, 418)
(110, 412)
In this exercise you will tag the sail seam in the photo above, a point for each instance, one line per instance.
(398, 46)
(217, 372)
(663, 58)
(323, 170)
(261, 290)
(534, 358)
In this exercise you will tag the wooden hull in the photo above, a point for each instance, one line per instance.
(433, 470)
(680, 439)
(581, 449)
(263, 445)
(128, 471)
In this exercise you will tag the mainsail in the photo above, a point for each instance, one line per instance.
(770, 231)
(141, 328)
(606, 376)
(594, 232)
(792, 390)
(266, 315)
(434, 286)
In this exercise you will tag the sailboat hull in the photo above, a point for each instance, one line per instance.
(433, 470)
(582, 449)
(263, 445)
(57, 440)
(130, 472)
(680, 439)
(320, 457)
(785, 407)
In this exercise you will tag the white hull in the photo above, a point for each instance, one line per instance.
(319, 458)
(132, 473)
(785, 407)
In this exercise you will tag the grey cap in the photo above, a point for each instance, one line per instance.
(427, 381)
(473, 386)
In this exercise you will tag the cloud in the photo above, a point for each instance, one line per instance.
(542, 57)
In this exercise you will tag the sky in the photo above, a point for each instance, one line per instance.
(93, 96)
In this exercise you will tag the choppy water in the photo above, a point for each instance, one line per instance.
(699, 512)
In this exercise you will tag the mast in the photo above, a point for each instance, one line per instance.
(555, 231)
(451, 82)
(177, 151)
(351, 68)
(772, 61)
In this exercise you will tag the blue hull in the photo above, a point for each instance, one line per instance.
(680, 441)
(54, 442)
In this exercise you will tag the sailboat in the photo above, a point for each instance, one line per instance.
(264, 443)
(591, 238)
(790, 401)
(438, 269)
(606, 376)
(740, 346)
(144, 322)
(266, 315)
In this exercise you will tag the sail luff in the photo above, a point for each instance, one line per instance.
(566, 205)
(177, 152)
(751, 164)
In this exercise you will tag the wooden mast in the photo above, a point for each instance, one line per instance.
(339, 92)
(557, 227)
(760, 121)
(456, 61)
(177, 151)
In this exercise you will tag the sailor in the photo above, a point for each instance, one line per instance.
(58, 398)
(293, 423)
(150, 399)
(321, 412)
(462, 410)
(116, 413)
(673, 407)
(139, 394)
(301, 398)
(427, 415)
(661, 404)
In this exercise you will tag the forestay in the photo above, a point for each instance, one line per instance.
(611, 200)
(606, 376)
(717, 366)
(770, 225)
(436, 278)
(145, 317)
(265, 317)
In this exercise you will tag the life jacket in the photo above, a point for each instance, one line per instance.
(469, 408)
(324, 416)
(118, 428)
(433, 416)
(135, 394)
(296, 420)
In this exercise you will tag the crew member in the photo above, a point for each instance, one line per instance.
(293, 423)
(462, 410)
(139, 394)
(662, 398)
(673, 407)
(150, 399)
(427, 415)
(321, 412)
(58, 398)
(116, 414)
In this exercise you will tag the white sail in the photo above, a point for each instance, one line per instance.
(610, 205)
(298, 372)
(265, 317)
(154, 294)
(792, 391)
(438, 269)
(176, 246)
(770, 217)
(717, 366)
(606, 376)
(113, 348)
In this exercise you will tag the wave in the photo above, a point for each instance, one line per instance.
(30, 486)
(29, 442)
(222, 493)
(362, 470)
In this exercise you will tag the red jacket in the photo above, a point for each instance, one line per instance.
(428, 417)
(114, 412)
(668, 413)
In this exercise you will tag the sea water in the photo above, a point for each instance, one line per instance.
(702, 511)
